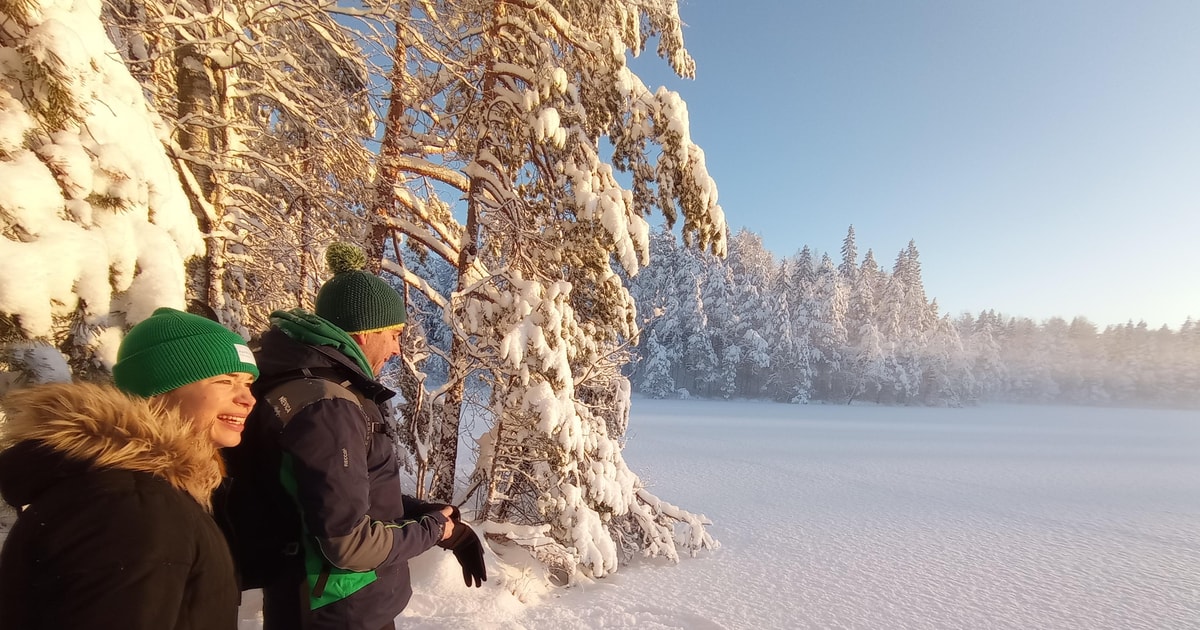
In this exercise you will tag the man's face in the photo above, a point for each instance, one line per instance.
(379, 346)
(216, 406)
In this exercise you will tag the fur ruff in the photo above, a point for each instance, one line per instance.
(104, 426)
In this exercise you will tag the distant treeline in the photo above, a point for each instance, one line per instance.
(809, 328)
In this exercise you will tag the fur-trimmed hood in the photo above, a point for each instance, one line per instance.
(56, 431)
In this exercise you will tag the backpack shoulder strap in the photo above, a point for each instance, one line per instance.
(292, 395)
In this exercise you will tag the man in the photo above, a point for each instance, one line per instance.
(114, 486)
(323, 408)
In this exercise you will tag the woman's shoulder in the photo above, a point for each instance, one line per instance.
(114, 497)
(113, 518)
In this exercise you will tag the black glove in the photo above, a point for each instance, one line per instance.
(467, 549)
(428, 508)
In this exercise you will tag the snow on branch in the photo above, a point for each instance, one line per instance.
(100, 221)
(444, 244)
(415, 281)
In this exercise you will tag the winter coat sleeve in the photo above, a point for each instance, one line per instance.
(327, 445)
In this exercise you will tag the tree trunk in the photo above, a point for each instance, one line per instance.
(448, 411)
(203, 106)
(387, 166)
(195, 108)
(441, 430)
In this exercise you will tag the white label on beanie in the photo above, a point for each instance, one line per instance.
(244, 354)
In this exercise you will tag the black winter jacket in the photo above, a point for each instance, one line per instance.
(116, 533)
(348, 485)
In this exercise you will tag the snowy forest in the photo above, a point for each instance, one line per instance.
(502, 166)
(813, 328)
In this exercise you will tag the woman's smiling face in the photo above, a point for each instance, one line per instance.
(220, 403)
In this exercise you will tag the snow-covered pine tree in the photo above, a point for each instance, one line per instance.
(752, 269)
(800, 361)
(657, 297)
(518, 98)
(983, 352)
(828, 329)
(722, 328)
(1187, 364)
(849, 266)
(863, 340)
(90, 205)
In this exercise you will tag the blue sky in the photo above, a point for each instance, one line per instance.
(1045, 156)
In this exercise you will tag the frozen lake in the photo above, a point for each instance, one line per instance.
(874, 518)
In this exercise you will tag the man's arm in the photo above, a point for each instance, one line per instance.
(326, 450)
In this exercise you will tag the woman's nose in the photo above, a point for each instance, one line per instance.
(244, 397)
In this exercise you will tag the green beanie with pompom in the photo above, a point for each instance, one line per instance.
(356, 300)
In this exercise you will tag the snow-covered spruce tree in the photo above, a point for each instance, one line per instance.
(752, 269)
(865, 358)
(654, 370)
(522, 95)
(1027, 368)
(948, 380)
(1070, 363)
(676, 291)
(268, 111)
(905, 320)
(1084, 339)
(983, 353)
(95, 225)
(656, 293)
(869, 367)
(699, 358)
(723, 328)
(1186, 365)
(802, 358)
(828, 330)
(848, 269)
(682, 320)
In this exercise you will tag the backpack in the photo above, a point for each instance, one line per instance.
(260, 520)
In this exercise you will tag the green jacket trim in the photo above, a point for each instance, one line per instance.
(326, 583)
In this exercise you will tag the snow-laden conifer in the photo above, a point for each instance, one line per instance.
(96, 227)
(505, 105)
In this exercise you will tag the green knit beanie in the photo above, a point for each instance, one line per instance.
(354, 300)
(171, 348)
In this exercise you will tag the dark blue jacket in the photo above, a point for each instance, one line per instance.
(347, 484)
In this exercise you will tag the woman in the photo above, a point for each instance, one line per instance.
(114, 486)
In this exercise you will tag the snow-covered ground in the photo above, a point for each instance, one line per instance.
(866, 517)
